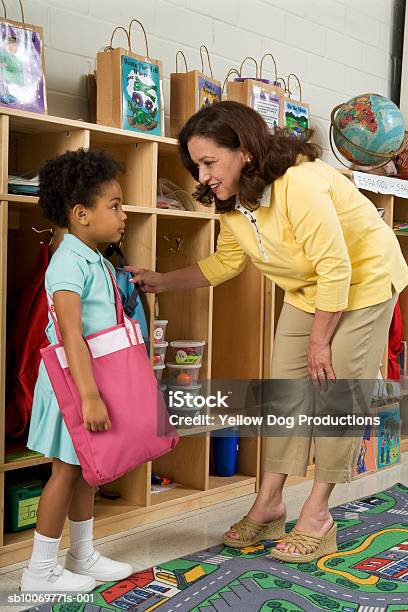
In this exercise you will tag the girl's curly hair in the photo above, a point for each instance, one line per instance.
(76, 177)
(234, 125)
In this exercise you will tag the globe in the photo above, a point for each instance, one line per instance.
(368, 130)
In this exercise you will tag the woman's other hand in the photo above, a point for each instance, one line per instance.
(319, 364)
(147, 280)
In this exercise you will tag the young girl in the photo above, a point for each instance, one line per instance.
(78, 190)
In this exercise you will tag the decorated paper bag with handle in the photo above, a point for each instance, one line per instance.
(22, 81)
(190, 91)
(263, 95)
(296, 112)
(129, 88)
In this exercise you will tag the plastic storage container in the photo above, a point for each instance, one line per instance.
(188, 351)
(182, 404)
(225, 452)
(22, 504)
(158, 372)
(160, 349)
(182, 375)
(159, 330)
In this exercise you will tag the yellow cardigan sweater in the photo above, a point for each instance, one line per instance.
(321, 240)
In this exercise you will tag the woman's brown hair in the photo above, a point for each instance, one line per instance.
(237, 126)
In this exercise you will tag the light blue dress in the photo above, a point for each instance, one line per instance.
(73, 267)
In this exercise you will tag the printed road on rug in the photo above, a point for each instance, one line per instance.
(369, 573)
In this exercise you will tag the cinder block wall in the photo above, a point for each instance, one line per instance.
(338, 48)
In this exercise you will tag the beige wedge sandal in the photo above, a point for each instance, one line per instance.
(251, 532)
(321, 545)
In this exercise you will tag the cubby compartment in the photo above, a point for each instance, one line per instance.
(28, 151)
(191, 475)
(248, 463)
(381, 201)
(131, 491)
(181, 242)
(22, 489)
(138, 181)
(169, 167)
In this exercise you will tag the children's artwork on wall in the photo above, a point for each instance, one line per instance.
(268, 105)
(208, 92)
(366, 460)
(296, 118)
(22, 84)
(388, 435)
(141, 99)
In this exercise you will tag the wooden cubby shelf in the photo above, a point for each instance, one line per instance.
(26, 141)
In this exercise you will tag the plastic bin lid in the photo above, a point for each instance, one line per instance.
(160, 321)
(184, 366)
(161, 345)
(187, 343)
(186, 389)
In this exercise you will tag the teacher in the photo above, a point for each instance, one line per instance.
(309, 230)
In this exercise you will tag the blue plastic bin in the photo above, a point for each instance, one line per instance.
(225, 452)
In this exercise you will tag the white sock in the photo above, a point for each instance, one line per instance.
(81, 538)
(44, 555)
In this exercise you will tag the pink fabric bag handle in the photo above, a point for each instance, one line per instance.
(121, 316)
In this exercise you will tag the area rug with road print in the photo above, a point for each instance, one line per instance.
(369, 573)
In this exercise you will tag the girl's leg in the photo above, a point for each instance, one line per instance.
(82, 557)
(56, 498)
(43, 572)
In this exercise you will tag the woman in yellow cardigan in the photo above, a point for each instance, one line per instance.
(310, 231)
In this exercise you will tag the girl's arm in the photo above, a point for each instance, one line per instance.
(69, 314)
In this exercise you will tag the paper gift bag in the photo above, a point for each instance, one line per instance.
(129, 88)
(190, 91)
(296, 112)
(22, 81)
(263, 95)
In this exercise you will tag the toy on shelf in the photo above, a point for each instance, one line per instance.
(22, 504)
(188, 351)
(183, 375)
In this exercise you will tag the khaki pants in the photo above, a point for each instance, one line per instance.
(357, 348)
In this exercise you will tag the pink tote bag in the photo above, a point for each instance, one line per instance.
(124, 376)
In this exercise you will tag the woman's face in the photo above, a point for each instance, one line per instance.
(218, 167)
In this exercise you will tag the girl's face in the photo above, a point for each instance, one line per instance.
(105, 221)
(218, 167)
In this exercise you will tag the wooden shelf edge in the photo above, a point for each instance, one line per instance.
(128, 208)
(24, 463)
(60, 123)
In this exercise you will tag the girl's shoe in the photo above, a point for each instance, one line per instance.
(99, 567)
(251, 532)
(321, 546)
(58, 580)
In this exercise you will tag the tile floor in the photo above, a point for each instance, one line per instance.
(147, 546)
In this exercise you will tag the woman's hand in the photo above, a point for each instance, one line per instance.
(319, 364)
(95, 415)
(147, 280)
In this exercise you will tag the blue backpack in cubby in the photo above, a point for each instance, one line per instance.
(131, 299)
